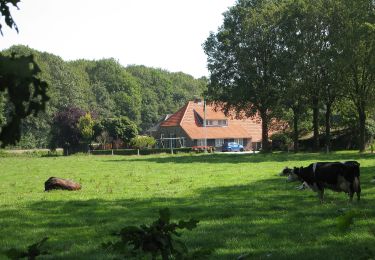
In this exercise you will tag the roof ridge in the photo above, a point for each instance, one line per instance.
(186, 109)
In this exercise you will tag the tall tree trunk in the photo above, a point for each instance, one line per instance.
(265, 142)
(316, 124)
(362, 128)
(328, 127)
(295, 129)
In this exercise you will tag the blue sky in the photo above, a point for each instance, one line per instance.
(166, 34)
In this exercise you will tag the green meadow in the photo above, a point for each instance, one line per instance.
(244, 207)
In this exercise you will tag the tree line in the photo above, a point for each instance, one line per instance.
(104, 88)
(297, 61)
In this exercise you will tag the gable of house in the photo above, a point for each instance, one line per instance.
(190, 119)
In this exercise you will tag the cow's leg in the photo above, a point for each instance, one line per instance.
(321, 194)
(351, 194)
(357, 188)
(351, 191)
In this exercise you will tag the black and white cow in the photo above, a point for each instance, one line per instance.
(291, 177)
(337, 176)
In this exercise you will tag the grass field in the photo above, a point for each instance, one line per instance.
(244, 207)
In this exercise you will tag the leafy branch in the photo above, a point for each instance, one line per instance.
(157, 239)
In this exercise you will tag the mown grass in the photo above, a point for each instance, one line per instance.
(244, 207)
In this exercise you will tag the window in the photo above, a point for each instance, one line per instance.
(173, 141)
(200, 142)
(223, 122)
(219, 142)
(239, 141)
(216, 123)
(183, 142)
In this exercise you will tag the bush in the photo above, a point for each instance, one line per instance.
(281, 141)
(160, 239)
(142, 141)
(27, 141)
(141, 151)
(31, 153)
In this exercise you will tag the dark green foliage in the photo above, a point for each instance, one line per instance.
(33, 251)
(4, 11)
(120, 128)
(142, 94)
(163, 92)
(301, 56)
(157, 239)
(25, 93)
(65, 131)
(2, 110)
(110, 78)
(368, 254)
(243, 60)
(281, 141)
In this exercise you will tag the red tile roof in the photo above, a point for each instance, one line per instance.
(187, 118)
(175, 119)
(211, 114)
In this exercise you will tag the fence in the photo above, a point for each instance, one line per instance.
(140, 152)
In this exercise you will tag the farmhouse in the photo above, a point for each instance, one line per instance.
(185, 128)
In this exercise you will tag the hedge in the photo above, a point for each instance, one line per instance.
(141, 152)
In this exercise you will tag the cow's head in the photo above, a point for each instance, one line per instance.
(293, 175)
(286, 171)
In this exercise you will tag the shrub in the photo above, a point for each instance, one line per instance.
(157, 239)
(141, 152)
(281, 141)
(142, 141)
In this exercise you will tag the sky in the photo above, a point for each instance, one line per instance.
(166, 34)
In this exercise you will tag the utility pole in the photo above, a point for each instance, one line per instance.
(204, 125)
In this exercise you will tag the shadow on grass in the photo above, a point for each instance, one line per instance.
(266, 219)
(249, 158)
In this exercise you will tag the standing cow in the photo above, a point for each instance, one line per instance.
(337, 176)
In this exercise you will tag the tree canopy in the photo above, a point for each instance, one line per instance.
(269, 57)
(106, 89)
(20, 85)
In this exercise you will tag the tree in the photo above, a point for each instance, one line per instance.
(85, 126)
(293, 94)
(65, 132)
(19, 80)
(242, 60)
(354, 37)
(120, 128)
(120, 85)
(24, 91)
(2, 110)
(163, 92)
(4, 11)
(103, 138)
(142, 141)
(309, 71)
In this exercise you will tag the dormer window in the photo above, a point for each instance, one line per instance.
(223, 122)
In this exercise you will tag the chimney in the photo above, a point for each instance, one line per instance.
(198, 100)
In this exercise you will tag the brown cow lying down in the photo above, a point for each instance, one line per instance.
(54, 183)
(337, 176)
